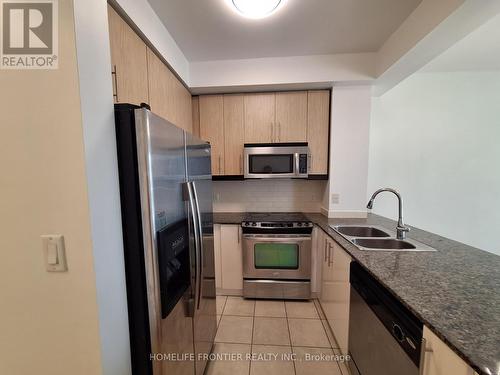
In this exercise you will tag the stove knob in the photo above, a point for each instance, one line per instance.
(254, 224)
(299, 224)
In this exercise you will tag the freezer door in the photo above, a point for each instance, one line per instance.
(162, 173)
(205, 318)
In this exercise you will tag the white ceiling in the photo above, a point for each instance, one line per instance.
(478, 51)
(212, 30)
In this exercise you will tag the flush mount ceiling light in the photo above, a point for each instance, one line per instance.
(256, 8)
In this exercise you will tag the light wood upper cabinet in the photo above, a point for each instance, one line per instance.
(196, 115)
(291, 116)
(260, 112)
(128, 59)
(234, 134)
(168, 97)
(212, 128)
(318, 124)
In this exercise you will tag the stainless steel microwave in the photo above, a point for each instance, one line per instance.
(276, 160)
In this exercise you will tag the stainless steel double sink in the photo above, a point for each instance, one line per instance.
(377, 238)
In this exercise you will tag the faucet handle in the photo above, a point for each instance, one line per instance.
(401, 231)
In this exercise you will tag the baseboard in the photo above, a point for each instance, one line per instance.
(229, 292)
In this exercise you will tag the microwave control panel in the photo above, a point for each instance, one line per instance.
(303, 163)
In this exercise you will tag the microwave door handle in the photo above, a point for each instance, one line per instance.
(189, 196)
(200, 248)
(297, 164)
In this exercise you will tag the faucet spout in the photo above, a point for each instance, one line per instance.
(401, 228)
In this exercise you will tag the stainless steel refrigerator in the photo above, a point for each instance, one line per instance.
(166, 201)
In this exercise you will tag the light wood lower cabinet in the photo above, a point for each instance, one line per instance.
(291, 116)
(212, 128)
(231, 259)
(440, 359)
(128, 60)
(335, 289)
(318, 125)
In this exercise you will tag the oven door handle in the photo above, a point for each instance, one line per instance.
(265, 238)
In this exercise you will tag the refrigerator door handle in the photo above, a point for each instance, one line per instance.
(200, 249)
(190, 192)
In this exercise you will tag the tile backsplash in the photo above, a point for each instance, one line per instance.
(268, 195)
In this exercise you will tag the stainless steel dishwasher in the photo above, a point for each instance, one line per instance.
(385, 338)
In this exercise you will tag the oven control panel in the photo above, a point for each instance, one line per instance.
(271, 225)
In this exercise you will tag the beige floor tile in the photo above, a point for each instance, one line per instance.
(235, 329)
(220, 301)
(319, 310)
(343, 362)
(317, 361)
(232, 360)
(308, 332)
(271, 360)
(274, 309)
(270, 331)
(239, 306)
(305, 309)
(329, 334)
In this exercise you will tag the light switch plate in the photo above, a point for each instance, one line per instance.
(54, 253)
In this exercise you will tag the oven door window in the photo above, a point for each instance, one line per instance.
(273, 163)
(284, 256)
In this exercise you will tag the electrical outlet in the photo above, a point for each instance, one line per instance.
(335, 198)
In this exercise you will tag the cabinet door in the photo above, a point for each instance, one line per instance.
(196, 115)
(318, 124)
(234, 134)
(338, 316)
(231, 257)
(260, 118)
(442, 360)
(128, 60)
(167, 95)
(161, 88)
(217, 256)
(212, 128)
(291, 116)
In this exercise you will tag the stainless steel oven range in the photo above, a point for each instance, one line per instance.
(277, 256)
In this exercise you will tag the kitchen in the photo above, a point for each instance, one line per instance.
(306, 190)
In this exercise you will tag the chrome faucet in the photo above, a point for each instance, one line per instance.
(401, 229)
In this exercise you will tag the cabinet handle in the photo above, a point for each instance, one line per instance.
(278, 133)
(241, 164)
(330, 261)
(239, 235)
(220, 171)
(115, 81)
(324, 248)
(423, 352)
(309, 167)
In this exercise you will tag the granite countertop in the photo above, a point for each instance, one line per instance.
(455, 291)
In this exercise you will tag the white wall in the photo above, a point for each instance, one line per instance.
(205, 75)
(350, 123)
(96, 97)
(48, 321)
(268, 195)
(435, 138)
